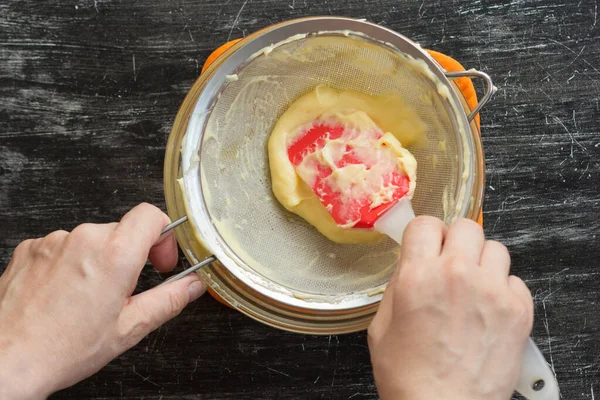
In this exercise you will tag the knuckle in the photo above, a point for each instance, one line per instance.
(152, 212)
(395, 276)
(402, 289)
(457, 268)
(116, 248)
(425, 223)
(84, 231)
(498, 249)
(520, 312)
(497, 246)
(176, 304)
(493, 296)
(467, 224)
(149, 208)
(24, 247)
(521, 292)
(522, 308)
(518, 309)
(529, 316)
(405, 277)
(56, 237)
(529, 308)
(120, 250)
(375, 336)
(372, 336)
(518, 286)
(42, 248)
(146, 205)
(411, 281)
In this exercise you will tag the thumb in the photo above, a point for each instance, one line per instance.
(145, 312)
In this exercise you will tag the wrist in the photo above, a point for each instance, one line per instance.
(18, 379)
(422, 392)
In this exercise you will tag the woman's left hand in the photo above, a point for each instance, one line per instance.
(66, 304)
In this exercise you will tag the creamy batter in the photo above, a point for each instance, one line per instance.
(274, 252)
(389, 114)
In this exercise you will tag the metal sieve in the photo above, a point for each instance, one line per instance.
(285, 264)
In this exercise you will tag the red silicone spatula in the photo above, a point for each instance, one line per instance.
(390, 215)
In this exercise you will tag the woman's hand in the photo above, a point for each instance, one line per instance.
(66, 308)
(452, 324)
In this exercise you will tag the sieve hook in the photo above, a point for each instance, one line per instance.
(174, 224)
(489, 87)
(191, 269)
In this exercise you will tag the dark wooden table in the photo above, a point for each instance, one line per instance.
(89, 90)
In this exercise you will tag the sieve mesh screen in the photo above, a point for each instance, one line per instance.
(235, 169)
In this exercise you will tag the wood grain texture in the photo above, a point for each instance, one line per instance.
(88, 93)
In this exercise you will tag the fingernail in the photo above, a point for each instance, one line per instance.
(196, 289)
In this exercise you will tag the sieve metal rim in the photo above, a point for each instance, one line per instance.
(215, 81)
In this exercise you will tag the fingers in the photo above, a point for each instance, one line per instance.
(495, 259)
(465, 238)
(423, 238)
(163, 255)
(146, 311)
(520, 289)
(382, 318)
(138, 232)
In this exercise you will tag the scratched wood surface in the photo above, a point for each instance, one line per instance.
(88, 93)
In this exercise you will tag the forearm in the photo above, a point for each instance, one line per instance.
(18, 378)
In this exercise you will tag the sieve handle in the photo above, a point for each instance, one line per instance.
(174, 224)
(489, 87)
(536, 380)
(191, 269)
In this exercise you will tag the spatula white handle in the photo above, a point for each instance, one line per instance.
(395, 220)
(536, 374)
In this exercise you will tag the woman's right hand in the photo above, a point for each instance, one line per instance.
(452, 324)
